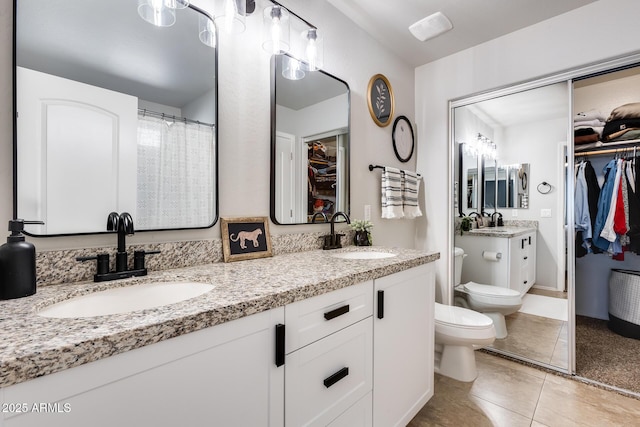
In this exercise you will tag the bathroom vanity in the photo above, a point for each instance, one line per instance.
(513, 268)
(297, 339)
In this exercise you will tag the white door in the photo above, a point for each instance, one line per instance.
(84, 143)
(285, 178)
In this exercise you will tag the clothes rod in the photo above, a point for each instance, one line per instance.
(602, 152)
(372, 167)
(163, 116)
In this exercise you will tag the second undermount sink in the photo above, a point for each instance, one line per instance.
(125, 299)
(363, 255)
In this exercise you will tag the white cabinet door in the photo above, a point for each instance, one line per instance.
(403, 345)
(223, 376)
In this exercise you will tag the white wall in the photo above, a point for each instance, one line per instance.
(244, 124)
(571, 40)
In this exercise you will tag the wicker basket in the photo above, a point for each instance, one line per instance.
(624, 302)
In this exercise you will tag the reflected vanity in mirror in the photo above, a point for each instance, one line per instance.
(113, 114)
(309, 144)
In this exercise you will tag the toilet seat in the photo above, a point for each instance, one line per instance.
(463, 324)
(493, 294)
(450, 315)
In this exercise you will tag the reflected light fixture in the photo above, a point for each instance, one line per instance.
(176, 4)
(156, 12)
(231, 15)
(291, 69)
(206, 31)
(276, 29)
(314, 52)
(431, 26)
(481, 146)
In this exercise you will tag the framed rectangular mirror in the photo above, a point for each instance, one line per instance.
(113, 113)
(309, 144)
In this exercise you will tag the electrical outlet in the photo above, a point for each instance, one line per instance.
(367, 212)
(545, 213)
(514, 212)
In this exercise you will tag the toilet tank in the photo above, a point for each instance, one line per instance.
(459, 257)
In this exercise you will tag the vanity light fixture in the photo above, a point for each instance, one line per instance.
(206, 31)
(276, 29)
(232, 15)
(156, 12)
(314, 52)
(481, 146)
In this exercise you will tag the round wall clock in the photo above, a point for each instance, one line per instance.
(380, 100)
(403, 140)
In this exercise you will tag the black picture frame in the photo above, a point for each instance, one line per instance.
(380, 100)
(245, 238)
(403, 138)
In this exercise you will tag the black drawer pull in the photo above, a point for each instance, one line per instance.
(337, 312)
(279, 344)
(529, 239)
(525, 282)
(331, 380)
(380, 304)
(526, 257)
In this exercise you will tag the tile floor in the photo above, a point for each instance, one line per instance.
(510, 394)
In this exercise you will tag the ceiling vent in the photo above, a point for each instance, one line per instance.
(431, 26)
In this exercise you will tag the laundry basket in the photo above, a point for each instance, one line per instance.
(624, 303)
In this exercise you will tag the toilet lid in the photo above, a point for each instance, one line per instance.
(489, 290)
(461, 317)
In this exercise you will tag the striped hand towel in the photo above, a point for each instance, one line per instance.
(410, 186)
(392, 193)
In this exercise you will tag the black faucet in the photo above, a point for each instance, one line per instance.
(332, 241)
(499, 223)
(123, 225)
(322, 214)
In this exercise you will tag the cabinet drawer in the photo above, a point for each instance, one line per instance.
(314, 318)
(358, 415)
(324, 379)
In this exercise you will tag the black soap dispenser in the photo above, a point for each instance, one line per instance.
(17, 263)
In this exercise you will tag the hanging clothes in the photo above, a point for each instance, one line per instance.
(581, 210)
(604, 205)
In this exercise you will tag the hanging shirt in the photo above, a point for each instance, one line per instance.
(604, 203)
(581, 208)
(607, 230)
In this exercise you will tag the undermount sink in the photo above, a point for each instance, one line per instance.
(125, 299)
(487, 230)
(363, 255)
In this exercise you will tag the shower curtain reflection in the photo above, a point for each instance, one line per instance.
(175, 182)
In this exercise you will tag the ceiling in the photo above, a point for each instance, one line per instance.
(474, 22)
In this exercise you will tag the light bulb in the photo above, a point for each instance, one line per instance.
(276, 32)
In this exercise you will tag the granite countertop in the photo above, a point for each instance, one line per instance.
(32, 346)
(505, 232)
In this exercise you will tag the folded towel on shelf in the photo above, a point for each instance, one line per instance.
(584, 123)
(411, 184)
(588, 115)
(391, 193)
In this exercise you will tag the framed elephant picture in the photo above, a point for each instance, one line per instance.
(245, 238)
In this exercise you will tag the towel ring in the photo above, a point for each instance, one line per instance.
(546, 187)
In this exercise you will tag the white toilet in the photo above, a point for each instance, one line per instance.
(493, 301)
(458, 332)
